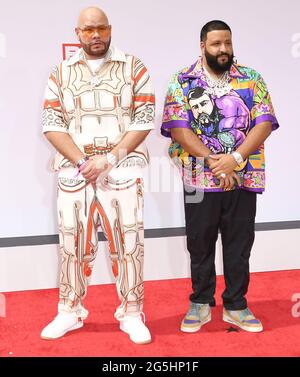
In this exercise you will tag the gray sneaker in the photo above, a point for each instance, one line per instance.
(244, 319)
(198, 315)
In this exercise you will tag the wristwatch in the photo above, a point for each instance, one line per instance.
(81, 162)
(111, 159)
(238, 157)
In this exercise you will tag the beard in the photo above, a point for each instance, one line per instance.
(213, 63)
(98, 51)
(207, 119)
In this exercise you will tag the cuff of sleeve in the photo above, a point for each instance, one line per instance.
(54, 128)
(166, 126)
(267, 118)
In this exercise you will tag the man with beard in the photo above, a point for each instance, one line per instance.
(231, 180)
(221, 121)
(99, 108)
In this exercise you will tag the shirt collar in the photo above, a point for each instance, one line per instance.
(113, 54)
(196, 70)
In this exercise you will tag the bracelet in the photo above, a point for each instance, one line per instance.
(111, 159)
(238, 157)
(81, 162)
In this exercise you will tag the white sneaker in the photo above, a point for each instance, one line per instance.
(61, 324)
(135, 327)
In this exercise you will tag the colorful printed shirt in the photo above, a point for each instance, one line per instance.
(221, 123)
(96, 110)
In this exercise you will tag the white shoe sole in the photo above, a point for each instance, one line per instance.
(146, 341)
(74, 327)
(245, 328)
(195, 329)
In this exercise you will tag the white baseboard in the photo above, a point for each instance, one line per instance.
(37, 267)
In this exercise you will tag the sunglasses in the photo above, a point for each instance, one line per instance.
(102, 31)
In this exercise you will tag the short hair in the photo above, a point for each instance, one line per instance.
(211, 26)
(196, 93)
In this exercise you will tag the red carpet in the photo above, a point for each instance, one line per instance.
(165, 304)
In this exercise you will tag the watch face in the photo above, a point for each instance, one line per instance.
(238, 158)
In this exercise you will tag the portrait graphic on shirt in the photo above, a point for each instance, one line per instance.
(221, 123)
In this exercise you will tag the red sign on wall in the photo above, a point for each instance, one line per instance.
(69, 49)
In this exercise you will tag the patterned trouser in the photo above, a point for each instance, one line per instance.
(82, 208)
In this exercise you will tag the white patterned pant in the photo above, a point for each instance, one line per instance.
(82, 208)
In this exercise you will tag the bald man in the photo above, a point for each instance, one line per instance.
(99, 107)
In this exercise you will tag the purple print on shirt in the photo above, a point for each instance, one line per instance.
(222, 123)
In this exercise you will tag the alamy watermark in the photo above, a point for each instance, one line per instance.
(296, 307)
(3, 52)
(162, 177)
(2, 305)
(296, 45)
(183, 174)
